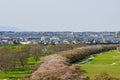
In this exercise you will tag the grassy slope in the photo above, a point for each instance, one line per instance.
(108, 62)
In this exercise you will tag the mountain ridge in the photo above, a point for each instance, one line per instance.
(7, 28)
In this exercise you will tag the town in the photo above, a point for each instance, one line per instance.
(10, 37)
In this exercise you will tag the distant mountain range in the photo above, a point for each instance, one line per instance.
(5, 28)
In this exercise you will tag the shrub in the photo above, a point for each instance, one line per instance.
(79, 53)
(118, 48)
(104, 76)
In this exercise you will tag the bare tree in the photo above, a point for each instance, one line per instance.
(35, 51)
(5, 60)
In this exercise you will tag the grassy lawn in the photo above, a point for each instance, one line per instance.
(108, 62)
(19, 73)
(15, 74)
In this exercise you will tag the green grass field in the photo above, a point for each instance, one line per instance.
(108, 62)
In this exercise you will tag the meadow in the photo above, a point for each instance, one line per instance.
(107, 62)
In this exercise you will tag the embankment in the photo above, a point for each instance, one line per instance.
(58, 66)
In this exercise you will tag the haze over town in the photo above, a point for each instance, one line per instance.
(61, 15)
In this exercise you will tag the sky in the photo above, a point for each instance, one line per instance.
(61, 15)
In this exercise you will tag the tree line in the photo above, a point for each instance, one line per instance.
(13, 56)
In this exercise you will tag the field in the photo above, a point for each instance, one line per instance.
(17, 72)
(17, 62)
(61, 66)
(108, 62)
(20, 72)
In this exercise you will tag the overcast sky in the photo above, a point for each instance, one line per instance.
(61, 15)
